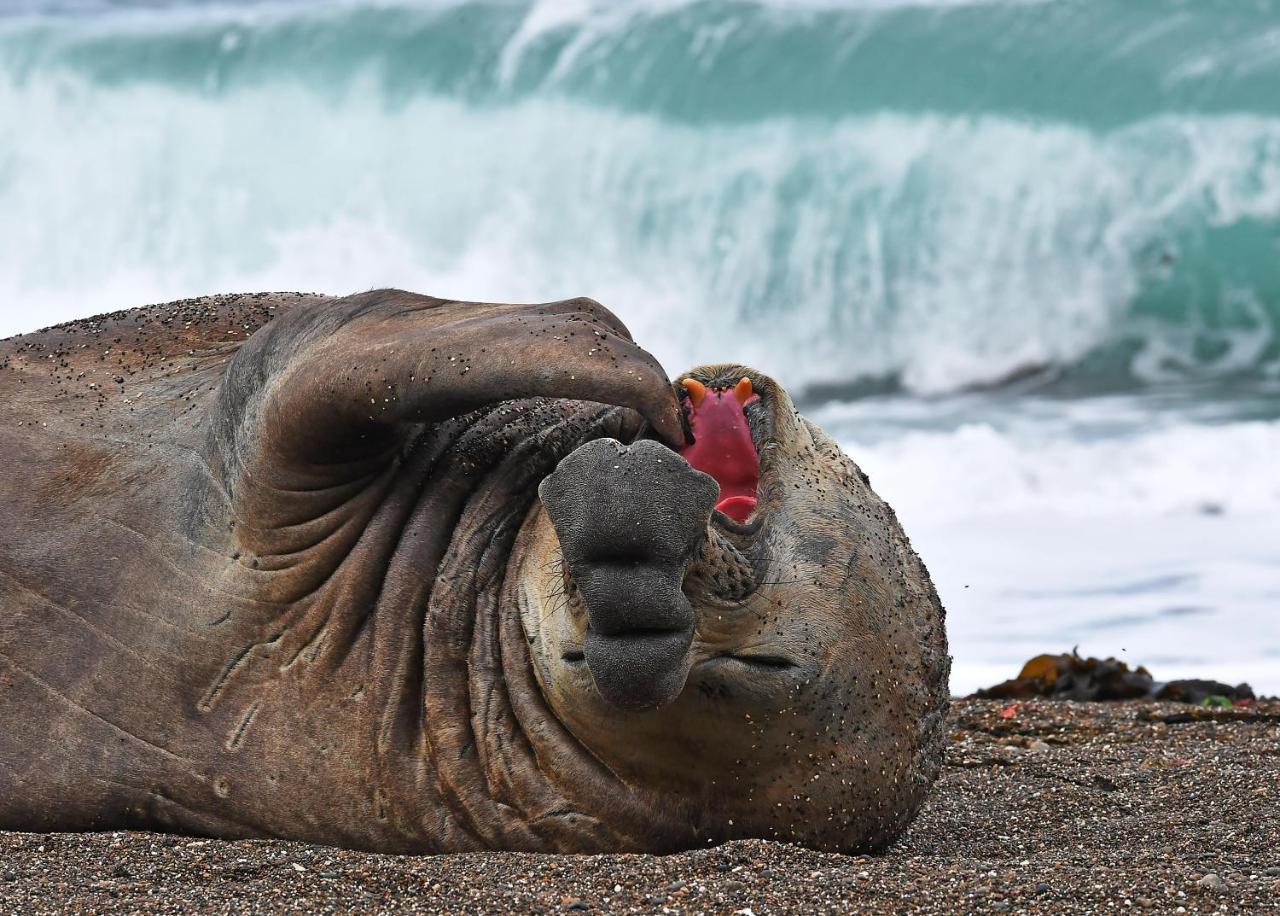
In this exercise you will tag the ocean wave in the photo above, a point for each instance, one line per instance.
(518, 151)
(1103, 63)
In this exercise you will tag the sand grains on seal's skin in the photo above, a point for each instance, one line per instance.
(1059, 807)
(288, 608)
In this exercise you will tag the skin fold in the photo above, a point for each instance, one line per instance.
(399, 573)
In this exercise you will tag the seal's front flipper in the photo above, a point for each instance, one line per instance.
(325, 395)
(391, 357)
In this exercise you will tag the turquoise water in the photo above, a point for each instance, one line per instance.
(1022, 257)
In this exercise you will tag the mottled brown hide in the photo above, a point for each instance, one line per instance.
(275, 565)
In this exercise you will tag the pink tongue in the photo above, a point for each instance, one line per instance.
(725, 451)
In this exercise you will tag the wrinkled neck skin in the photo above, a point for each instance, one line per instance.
(393, 585)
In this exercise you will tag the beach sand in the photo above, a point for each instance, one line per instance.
(1042, 807)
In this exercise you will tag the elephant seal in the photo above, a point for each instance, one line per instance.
(398, 573)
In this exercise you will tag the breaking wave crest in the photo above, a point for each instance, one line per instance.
(780, 183)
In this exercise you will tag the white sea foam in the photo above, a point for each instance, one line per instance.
(1052, 465)
(1108, 525)
(945, 251)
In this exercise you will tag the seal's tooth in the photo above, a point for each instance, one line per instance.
(742, 391)
(697, 390)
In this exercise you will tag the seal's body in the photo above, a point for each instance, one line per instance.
(278, 565)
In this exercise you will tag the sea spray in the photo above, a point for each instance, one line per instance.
(851, 223)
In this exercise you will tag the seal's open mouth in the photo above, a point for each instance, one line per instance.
(723, 447)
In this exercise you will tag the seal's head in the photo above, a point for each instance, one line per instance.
(742, 626)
